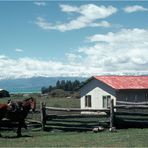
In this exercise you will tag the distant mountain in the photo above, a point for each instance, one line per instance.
(33, 84)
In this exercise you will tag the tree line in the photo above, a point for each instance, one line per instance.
(64, 85)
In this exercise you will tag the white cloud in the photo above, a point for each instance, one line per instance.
(30, 67)
(40, 3)
(69, 8)
(73, 58)
(101, 24)
(88, 14)
(19, 50)
(2, 56)
(135, 8)
(119, 52)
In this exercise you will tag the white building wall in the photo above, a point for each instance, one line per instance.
(96, 98)
(97, 90)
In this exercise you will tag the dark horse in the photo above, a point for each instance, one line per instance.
(17, 112)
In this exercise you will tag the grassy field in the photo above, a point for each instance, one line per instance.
(54, 102)
(122, 138)
(35, 137)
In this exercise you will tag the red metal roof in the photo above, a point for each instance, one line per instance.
(125, 82)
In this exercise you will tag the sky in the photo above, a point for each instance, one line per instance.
(73, 38)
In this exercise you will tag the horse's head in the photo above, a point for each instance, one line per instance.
(32, 103)
(10, 105)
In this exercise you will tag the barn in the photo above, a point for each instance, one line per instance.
(4, 93)
(98, 90)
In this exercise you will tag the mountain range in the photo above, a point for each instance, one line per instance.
(34, 84)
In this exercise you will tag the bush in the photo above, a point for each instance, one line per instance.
(4, 93)
(58, 93)
(76, 95)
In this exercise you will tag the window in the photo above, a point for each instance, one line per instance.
(88, 101)
(136, 96)
(126, 99)
(146, 96)
(106, 101)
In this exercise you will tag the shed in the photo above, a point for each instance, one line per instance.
(98, 90)
(4, 93)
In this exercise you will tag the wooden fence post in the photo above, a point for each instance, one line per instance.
(111, 113)
(43, 115)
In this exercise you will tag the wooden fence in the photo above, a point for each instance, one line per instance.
(134, 112)
(130, 114)
(70, 119)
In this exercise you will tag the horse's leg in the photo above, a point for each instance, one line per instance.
(24, 125)
(0, 131)
(19, 134)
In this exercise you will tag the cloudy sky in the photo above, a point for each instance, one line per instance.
(73, 38)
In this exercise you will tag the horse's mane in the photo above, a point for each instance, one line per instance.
(28, 99)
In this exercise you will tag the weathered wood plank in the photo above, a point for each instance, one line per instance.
(132, 103)
(131, 113)
(72, 125)
(76, 109)
(136, 118)
(79, 121)
(131, 106)
(43, 115)
(73, 116)
(70, 128)
(136, 121)
(111, 113)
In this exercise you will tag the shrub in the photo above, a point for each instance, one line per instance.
(58, 93)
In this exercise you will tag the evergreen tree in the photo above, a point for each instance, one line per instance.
(76, 84)
(66, 86)
(58, 85)
(63, 84)
(69, 86)
(44, 90)
(50, 88)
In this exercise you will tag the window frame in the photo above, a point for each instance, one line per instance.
(88, 101)
(146, 96)
(106, 101)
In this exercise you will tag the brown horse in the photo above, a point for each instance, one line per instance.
(17, 112)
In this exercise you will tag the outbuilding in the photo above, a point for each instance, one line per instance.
(98, 90)
(4, 93)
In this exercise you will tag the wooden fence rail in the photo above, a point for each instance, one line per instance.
(131, 103)
(113, 111)
(131, 106)
(77, 109)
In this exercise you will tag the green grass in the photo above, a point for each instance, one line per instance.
(37, 138)
(54, 102)
(122, 138)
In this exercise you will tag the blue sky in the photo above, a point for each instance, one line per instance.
(72, 38)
